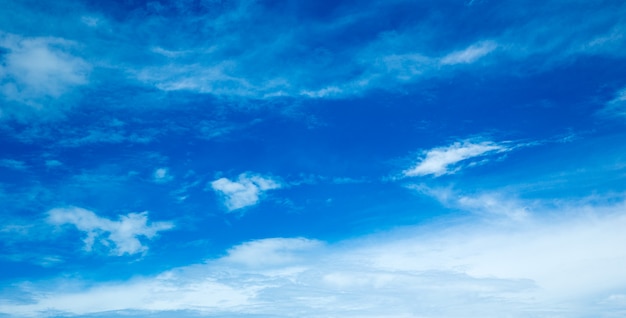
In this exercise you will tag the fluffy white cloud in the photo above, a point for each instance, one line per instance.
(562, 262)
(443, 160)
(122, 236)
(36, 68)
(245, 191)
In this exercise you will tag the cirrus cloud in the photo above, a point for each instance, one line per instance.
(445, 160)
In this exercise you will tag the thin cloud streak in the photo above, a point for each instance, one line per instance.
(490, 205)
(470, 54)
(443, 160)
(617, 105)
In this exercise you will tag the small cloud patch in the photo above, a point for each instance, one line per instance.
(445, 160)
(162, 175)
(121, 237)
(245, 191)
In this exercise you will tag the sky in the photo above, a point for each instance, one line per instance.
(282, 158)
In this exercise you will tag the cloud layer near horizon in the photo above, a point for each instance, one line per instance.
(518, 268)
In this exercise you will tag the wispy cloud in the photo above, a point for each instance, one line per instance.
(271, 252)
(617, 105)
(161, 175)
(13, 164)
(245, 191)
(470, 54)
(563, 262)
(491, 205)
(385, 59)
(121, 237)
(244, 64)
(448, 160)
(53, 163)
(37, 68)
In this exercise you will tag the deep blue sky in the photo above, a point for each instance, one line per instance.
(312, 158)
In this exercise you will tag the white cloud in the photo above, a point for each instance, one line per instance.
(122, 236)
(161, 175)
(330, 91)
(213, 56)
(470, 54)
(39, 68)
(158, 294)
(401, 67)
(443, 160)
(245, 191)
(220, 79)
(52, 163)
(271, 252)
(13, 164)
(494, 204)
(215, 129)
(563, 262)
(386, 66)
(617, 106)
(491, 205)
(413, 52)
(227, 70)
(90, 21)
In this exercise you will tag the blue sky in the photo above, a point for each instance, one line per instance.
(207, 158)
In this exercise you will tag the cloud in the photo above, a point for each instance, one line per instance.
(617, 105)
(37, 68)
(245, 191)
(470, 54)
(235, 49)
(102, 130)
(121, 237)
(161, 175)
(600, 34)
(562, 262)
(271, 252)
(383, 58)
(444, 160)
(489, 205)
(105, 135)
(53, 163)
(13, 164)
(378, 68)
